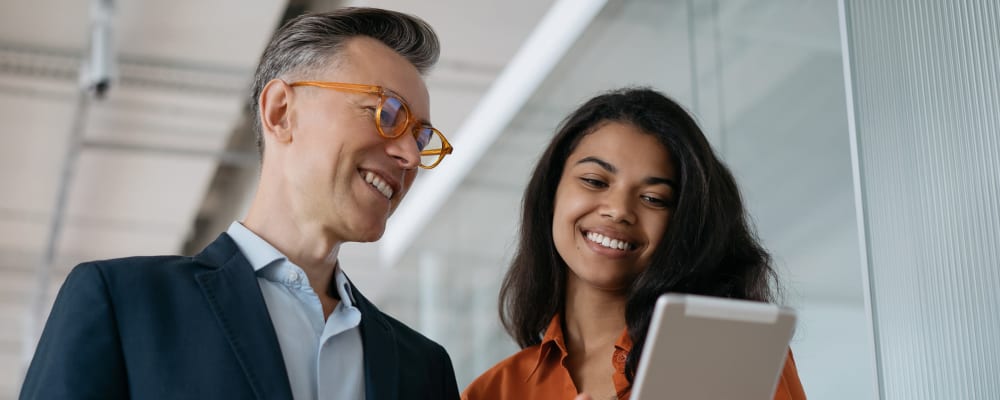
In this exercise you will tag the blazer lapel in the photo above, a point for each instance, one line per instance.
(231, 289)
(379, 343)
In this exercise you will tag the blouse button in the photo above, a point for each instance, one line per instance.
(620, 356)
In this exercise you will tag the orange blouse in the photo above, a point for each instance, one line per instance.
(539, 372)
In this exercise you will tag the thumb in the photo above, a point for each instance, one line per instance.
(583, 396)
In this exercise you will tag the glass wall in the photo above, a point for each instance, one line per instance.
(770, 87)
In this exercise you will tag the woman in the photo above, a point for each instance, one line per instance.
(627, 203)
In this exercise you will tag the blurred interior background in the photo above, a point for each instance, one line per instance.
(165, 160)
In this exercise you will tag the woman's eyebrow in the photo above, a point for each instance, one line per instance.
(604, 164)
(653, 180)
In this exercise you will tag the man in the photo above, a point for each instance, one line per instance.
(265, 311)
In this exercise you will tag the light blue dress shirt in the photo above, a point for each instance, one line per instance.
(324, 359)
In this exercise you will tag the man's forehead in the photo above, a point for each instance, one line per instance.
(368, 61)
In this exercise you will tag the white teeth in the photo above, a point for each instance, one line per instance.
(378, 184)
(609, 242)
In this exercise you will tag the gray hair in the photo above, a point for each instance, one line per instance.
(311, 41)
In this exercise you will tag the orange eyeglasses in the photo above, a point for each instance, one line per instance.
(393, 118)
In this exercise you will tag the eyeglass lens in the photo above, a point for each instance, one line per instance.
(430, 145)
(393, 116)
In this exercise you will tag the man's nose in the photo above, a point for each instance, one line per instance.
(404, 150)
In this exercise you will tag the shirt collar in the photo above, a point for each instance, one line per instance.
(260, 254)
(257, 251)
(624, 342)
(554, 333)
(344, 287)
(554, 340)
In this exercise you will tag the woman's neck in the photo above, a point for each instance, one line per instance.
(594, 319)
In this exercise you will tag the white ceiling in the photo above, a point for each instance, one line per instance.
(149, 179)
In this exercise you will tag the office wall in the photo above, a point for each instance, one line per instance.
(925, 92)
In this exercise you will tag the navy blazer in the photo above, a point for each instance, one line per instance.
(175, 327)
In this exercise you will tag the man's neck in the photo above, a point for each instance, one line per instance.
(305, 245)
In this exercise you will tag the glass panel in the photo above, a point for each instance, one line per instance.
(769, 78)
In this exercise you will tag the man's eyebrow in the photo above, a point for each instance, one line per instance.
(653, 180)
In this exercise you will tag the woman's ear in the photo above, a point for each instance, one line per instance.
(274, 103)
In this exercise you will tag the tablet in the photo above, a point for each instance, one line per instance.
(701, 348)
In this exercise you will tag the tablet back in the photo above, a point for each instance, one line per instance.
(708, 348)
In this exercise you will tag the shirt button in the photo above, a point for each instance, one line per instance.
(620, 357)
(291, 277)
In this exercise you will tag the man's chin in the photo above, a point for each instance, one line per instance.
(369, 239)
(370, 235)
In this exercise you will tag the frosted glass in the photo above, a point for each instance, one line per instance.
(926, 94)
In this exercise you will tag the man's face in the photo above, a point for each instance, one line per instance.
(342, 174)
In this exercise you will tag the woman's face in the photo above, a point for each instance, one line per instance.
(612, 205)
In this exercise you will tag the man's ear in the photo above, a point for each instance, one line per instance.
(274, 103)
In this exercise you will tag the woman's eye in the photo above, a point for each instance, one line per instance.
(594, 183)
(656, 201)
